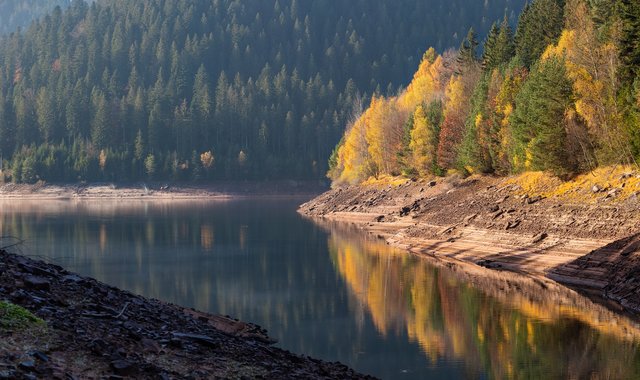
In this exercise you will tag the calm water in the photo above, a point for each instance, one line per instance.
(328, 292)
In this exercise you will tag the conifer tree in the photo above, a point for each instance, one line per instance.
(539, 26)
(539, 119)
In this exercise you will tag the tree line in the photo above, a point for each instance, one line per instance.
(560, 93)
(192, 89)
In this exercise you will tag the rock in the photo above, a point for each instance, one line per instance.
(40, 356)
(469, 218)
(379, 218)
(613, 193)
(596, 189)
(494, 208)
(432, 183)
(28, 365)
(503, 199)
(535, 199)
(513, 224)
(8, 374)
(123, 367)
(38, 283)
(150, 345)
(202, 339)
(539, 237)
(446, 230)
(631, 248)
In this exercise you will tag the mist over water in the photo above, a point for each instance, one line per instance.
(329, 292)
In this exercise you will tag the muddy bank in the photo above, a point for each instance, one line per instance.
(97, 331)
(218, 190)
(494, 223)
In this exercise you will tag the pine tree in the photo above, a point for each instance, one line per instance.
(488, 54)
(467, 56)
(629, 46)
(539, 26)
(100, 128)
(538, 121)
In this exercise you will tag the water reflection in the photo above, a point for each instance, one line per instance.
(505, 326)
(329, 292)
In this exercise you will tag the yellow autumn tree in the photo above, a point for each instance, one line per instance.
(425, 85)
(423, 142)
(383, 131)
(353, 156)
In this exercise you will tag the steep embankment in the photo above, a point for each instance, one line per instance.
(92, 330)
(527, 224)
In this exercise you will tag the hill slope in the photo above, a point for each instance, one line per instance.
(128, 89)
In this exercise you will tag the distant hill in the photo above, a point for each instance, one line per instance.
(132, 89)
(20, 13)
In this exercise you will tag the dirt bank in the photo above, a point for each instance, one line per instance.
(500, 224)
(218, 190)
(97, 331)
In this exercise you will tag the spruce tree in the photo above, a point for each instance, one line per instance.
(539, 25)
(538, 122)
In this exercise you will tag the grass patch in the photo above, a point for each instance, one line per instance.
(623, 180)
(385, 180)
(14, 317)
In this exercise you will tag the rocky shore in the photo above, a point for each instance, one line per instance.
(588, 241)
(91, 330)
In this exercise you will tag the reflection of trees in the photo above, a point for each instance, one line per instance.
(492, 327)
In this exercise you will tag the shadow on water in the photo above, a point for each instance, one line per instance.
(328, 291)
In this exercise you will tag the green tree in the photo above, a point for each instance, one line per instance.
(538, 121)
(150, 166)
(539, 26)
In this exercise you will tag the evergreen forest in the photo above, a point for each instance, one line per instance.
(189, 90)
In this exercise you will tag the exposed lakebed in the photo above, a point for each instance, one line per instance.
(327, 291)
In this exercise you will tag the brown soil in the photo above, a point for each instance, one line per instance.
(492, 223)
(97, 331)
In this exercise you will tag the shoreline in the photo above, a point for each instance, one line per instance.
(94, 330)
(493, 225)
(160, 191)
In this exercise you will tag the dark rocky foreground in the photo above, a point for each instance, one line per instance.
(97, 331)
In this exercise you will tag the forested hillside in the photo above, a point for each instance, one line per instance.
(188, 90)
(20, 13)
(560, 93)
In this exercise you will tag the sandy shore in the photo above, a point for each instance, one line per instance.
(491, 223)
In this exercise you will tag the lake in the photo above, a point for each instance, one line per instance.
(325, 290)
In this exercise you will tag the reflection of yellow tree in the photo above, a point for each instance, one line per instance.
(492, 329)
(206, 237)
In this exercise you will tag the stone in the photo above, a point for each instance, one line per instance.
(38, 283)
(40, 356)
(539, 237)
(123, 367)
(535, 199)
(596, 189)
(28, 365)
(613, 193)
(512, 225)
